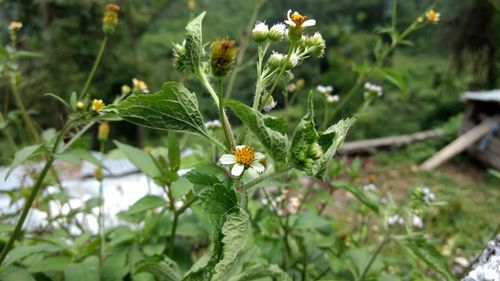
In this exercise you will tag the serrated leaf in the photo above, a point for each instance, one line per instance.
(217, 201)
(258, 271)
(194, 43)
(275, 142)
(235, 232)
(141, 159)
(23, 155)
(430, 256)
(205, 176)
(334, 138)
(163, 268)
(173, 108)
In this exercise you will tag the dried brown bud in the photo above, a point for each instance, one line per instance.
(222, 56)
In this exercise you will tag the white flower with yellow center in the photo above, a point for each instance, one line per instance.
(140, 86)
(297, 20)
(243, 157)
(15, 25)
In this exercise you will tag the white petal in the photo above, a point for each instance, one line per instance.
(227, 159)
(290, 23)
(259, 156)
(237, 169)
(257, 166)
(240, 146)
(288, 15)
(309, 23)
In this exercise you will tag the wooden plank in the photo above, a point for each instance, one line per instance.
(458, 145)
(366, 146)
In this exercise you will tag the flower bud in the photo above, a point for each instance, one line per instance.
(277, 32)
(180, 57)
(140, 86)
(300, 83)
(103, 131)
(332, 98)
(80, 105)
(222, 56)
(126, 90)
(315, 151)
(260, 32)
(110, 19)
(98, 174)
(270, 104)
(315, 44)
(275, 60)
(191, 5)
(15, 26)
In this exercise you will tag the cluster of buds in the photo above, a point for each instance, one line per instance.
(283, 204)
(261, 32)
(308, 154)
(373, 89)
(313, 44)
(222, 56)
(110, 19)
(416, 220)
(326, 92)
(292, 87)
(180, 56)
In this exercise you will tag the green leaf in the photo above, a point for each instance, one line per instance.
(84, 271)
(22, 251)
(431, 256)
(275, 142)
(114, 267)
(258, 271)
(181, 187)
(147, 202)
(141, 159)
(205, 176)
(163, 268)
(174, 153)
(26, 55)
(77, 155)
(14, 273)
(309, 220)
(194, 43)
(217, 201)
(173, 108)
(50, 264)
(23, 155)
(331, 140)
(366, 197)
(393, 77)
(235, 232)
(59, 99)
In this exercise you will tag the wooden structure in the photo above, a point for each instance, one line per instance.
(479, 133)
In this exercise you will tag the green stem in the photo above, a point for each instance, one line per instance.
(276, 82)
(102, 238)
(377, 252)
(394, 13)
(204, 80)
(7, 134)
(325, 114)
(225, 123)
(245, 39)
(26, 209)
(94, 68)
(24, 113)
(264, 177)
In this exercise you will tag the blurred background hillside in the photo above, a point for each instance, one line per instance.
(458, 54)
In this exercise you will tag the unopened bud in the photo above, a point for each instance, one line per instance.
(80, 105)
(98, 174)
(103, 131)
(110, 19)
(275, 60)
(277, 32)
(260, 32)
(126, 89)
(191, 5)
(222, 56)
(315, 151)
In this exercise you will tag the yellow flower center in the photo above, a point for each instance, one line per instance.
(97, 105)
(244, 155)
(298, 19)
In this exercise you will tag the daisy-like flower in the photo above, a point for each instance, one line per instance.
(243, 157)
(15, 25)
(140, 86)
(433, 16)
(97, 105)
(260, 32)
(297, 23)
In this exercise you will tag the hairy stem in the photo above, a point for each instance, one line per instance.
(225, 123)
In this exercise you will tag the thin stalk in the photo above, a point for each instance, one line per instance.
(94, 68)
(276, 82)
(226, 127)
(188, 204)
(7, 134)
(394, 13)
(325, 114)
(171, 241)
(377, 252)
(245, 39)
(102, 238)
(262, 178)
(24, 113)
(204, 80)
(26, 209)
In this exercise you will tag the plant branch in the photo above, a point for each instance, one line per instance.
(83, 93)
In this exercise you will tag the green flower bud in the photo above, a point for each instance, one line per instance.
(275, 60)
(315, 151)
(260, 32)
(277, 32)
(110, 19)
(222, 56)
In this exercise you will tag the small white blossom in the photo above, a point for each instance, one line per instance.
(417, 221)
(242, 158)
(324, 89)
(332, 98)
(213, 124)
(370, 187)
(140, 86)
(270, 104)
(374, 89)
(395, 219)
(260, 32)
(294, 60)
(428, 194)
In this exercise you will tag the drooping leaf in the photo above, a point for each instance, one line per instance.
(430, 256)
(23, 155)
(174, 153)
(173, 108)
(235, 232)
(366, 197)
(163, 268)
(194, 43)
(393, 77)
(147, 202)
(275, 142)
(141, 159)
